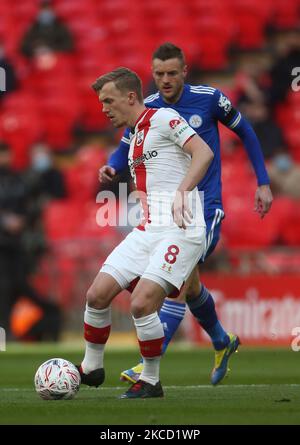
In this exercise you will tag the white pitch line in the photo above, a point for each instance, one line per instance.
(288, 385)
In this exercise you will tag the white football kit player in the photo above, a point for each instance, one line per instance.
(158, 249)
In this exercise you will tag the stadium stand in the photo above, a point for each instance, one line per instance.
(54, 99)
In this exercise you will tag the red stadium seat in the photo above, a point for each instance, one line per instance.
(67, 268)
(62, 219)
(287, 14)
(60, 113)
(290, 233)
(242, 228)
(20, 126)
(82, 178)
(118, 8)
(293, 138)
(67, 9)
(212, 52)
(159, 8)
(252, 17)
(90, 229)
(92, 117)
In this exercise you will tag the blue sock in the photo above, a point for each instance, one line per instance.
(171, 315)
(203, 308)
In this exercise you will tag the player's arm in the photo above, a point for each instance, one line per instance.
(178, 131)
(117, 161)
(202, 156)
(233, 119)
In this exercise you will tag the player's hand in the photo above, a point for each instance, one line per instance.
(106, 174)
(263, 200)
(180, 210)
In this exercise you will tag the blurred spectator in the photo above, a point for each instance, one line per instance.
(252, 80)
(288, 57)
(44, 180)
(285, 175)
(47, 31)
(12, 225)
(14, 264)
(10, 76)
(268, 132)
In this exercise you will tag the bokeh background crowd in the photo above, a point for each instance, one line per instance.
(54, 138)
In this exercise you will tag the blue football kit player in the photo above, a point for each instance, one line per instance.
(202, 107)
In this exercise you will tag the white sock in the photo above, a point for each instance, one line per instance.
(150, 371)
(93, 358)
(94, 351)
(150, 333)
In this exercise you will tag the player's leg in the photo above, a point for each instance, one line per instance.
(173, 261)
(171, 314)
(97, 323)
(146, 299)
(173, 309)
(202, 306)
(127, 261)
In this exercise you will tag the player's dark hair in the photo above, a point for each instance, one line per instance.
(169, 51)
(124, 79)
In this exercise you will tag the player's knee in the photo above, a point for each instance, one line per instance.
(138, 309)
(95, 299)
(139, 306)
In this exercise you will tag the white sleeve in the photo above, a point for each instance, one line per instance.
(175, 127)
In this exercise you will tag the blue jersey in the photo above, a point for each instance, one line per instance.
(202, 107)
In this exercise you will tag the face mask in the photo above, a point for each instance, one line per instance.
(41, 162)
(283, 162)
(46, 17)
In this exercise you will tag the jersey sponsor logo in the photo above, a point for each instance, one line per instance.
(133, 163)
(181, 130)
(225, 103)
(174, 122)
(140, 138)
(195, 121)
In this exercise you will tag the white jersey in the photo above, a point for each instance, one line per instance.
(158, 165)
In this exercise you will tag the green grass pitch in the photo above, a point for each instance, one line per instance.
(263, 388)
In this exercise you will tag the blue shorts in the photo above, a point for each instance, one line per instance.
(213, 219)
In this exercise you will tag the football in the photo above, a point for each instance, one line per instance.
(57, 379)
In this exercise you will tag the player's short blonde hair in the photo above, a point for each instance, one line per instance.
(124, 79)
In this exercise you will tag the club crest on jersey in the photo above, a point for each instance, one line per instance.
(225, 103)
(195, 121)
(174, 122)
(140, 138)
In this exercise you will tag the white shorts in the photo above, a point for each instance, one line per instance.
(165, 257)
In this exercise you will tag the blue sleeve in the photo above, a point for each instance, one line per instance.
(231, 118)
(119, 158)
